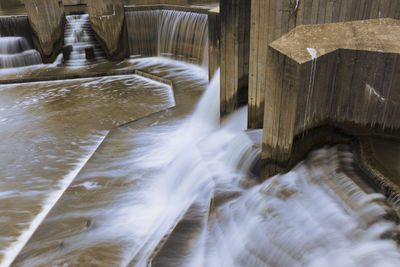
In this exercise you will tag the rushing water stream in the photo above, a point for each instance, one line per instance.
(15, 50)
(170, 33)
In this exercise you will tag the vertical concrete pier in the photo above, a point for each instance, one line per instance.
(107, 18)
(270, 19)
(235, 43)
(46, 19)
(340, 75)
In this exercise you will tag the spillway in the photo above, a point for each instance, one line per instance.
(80, 36)
(15, 49)
(16, 52)
(177, 34)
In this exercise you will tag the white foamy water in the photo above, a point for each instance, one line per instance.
(178, 34)
(316, 215)
(16, 52)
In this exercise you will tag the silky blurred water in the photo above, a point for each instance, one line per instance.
(48, 131)
(178, 189)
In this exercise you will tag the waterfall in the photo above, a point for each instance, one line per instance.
(79, 34)
(178, 34)
(173, 190)
(16, 52)
(205, 208)
(15, 49)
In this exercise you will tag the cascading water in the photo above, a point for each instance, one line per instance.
(79, 34)
(211, 212)
(181, 192)
(15, 51)
(178, 34)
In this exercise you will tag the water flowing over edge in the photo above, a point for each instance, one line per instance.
(178, 34)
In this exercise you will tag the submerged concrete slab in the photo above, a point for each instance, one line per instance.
(177, 32)
(342, 75)
(49, 131)
(235, 46)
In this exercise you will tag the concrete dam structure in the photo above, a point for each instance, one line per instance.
(199, 133)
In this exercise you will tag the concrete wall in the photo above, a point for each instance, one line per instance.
(341, 75)
(170, 2)
(74, 2)
(235, 42)
(214, 40)
(107, 18)
(270, 19)
(46, 18)
(11, 3)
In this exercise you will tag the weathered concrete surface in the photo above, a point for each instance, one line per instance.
(74, 2)
(156, 30)
(345, 75)
(47, 21)
(214, 40)
(270, 19)
(235, 43)
(10, 3)
(107, 19)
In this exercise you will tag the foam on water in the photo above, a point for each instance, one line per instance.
(79, 34)
(308, 217)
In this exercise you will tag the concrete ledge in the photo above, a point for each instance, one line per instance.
(88, 75)
(383, 176)
(67, 77)
(197, 9)
(377, 175)
(154, 77)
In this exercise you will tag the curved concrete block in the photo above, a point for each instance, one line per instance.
(46, 18)
(107, 18)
